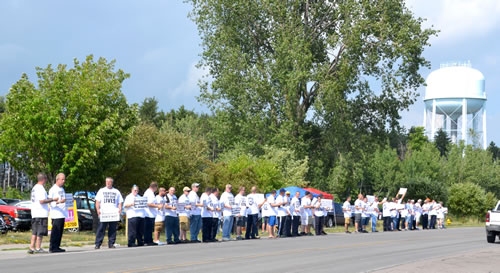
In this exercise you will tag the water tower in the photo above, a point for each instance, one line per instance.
(455, 101)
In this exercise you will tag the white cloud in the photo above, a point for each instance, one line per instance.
(189, 87)
(458, 19)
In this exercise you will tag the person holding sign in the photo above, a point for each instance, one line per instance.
(183, 209)
(227, 199)
(252, 215)
(206, 215)
(171, 218)
(295, 210)
(214, 198)
(108, 204)
(240, 201)
(150, 213)
(195, 222)
(160, 214)
(39, 214)
(346, 208)
(135, 218)
(58, 213)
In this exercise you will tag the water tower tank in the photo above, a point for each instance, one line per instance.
(455, 101)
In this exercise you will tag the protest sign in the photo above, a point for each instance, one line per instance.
(370, 198)
(111, 215)
(327, 203)
(402, 191)
(141, 202)
(69, 200)
(181, 207)
(72, 220)
(235, 210)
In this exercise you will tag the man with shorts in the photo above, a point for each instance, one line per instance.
(307, 216)
(160, 215)
(240, 201)
(346, 208)
(184, 215)
(358, 209)
(39, 214)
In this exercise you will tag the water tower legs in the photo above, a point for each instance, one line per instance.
(484, 127)
(433, 120)
(454, 130)
(464, 120)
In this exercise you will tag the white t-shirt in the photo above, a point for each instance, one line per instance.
(132, 211)
(318, 211)
(386, 210)
(374, 208)
(57, 211)
(173, 203)
(227, 198)
(358, 205)
(281, 209)
(207, 203)
(184, 199)
(393, 206)
(160, 213)
(238, 202)
(347, 209)
(194, 199)
(216, 204)
(253, 207)
(404, 211)
(425, 209)
(365, 207)
(306, 202)
(433, 210)
(109, 199)
(149, 211)
(295, 206)
(418, 210)
(38, 210)
(267, 209)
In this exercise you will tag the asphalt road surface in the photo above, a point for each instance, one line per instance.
(331, 253)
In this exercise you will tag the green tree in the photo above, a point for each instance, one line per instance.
(466, 199)
(275, 62)
(416, 138)
(494, 150)
(75, 120)
(442, 142)
(148, 112)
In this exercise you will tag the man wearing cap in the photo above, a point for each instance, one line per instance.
(184, 214)
(195, 218)
(227, 199)
(150, 213)
(252, 215)
(281, 202)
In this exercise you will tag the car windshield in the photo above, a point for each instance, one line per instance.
(84, 205)
(2, 203)
(498, 207)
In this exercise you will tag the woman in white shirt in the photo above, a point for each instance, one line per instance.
(135, 218)
(440, 215)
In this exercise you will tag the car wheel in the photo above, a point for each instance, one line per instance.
(73, 229)
(490, 238)
(330, 222)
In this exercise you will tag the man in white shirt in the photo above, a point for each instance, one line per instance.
(135, 218)
(227, 199)
(150, 213)
(214, 197)
(288, 217)
(39, 214)
(108, 200)
(433, 214)
(375, 212)
(269, 209)
(58, 213)
(365, 215)
(386, 214)
(240, 201)
(318, 215)
(394, 213)
(295, 210)
(171, 218)
(184, 214)
(425, 214)
(195, 222)
(346, 208)
(160, 214)
(307, 216)
(418, 213)
(206, 215)
(282, 212)
(252, 215)
(358, 209)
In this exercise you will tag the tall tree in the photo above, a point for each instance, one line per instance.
(148, 112)
(442, 142)
(494, 150)
(75, 121)
(277, 63)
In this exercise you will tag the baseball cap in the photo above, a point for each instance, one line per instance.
(186, 189)
(282, 190)
(195, 185)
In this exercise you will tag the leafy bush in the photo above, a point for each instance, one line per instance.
(467, 199)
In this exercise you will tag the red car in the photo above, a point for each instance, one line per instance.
(22, 216)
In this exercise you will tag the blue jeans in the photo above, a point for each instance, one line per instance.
(227, 227)
(172, 228)
(395, 223)
(374, 222)
(409, 222)
(194, 226)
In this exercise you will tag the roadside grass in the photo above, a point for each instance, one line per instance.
(79, 239)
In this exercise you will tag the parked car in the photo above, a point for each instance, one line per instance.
(85, 218)
(493, 224)
(11, 202)
(335, 217)
(4, 228)
(23, 204)
(21, 217)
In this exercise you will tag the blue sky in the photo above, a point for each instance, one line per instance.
(158, 45)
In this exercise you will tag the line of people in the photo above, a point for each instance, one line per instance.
(397, 214)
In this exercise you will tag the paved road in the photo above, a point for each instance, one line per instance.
(334, 252)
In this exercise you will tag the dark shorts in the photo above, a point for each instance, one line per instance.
(357, 217)
(39, 226)
(265, 220)
(241, 221)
